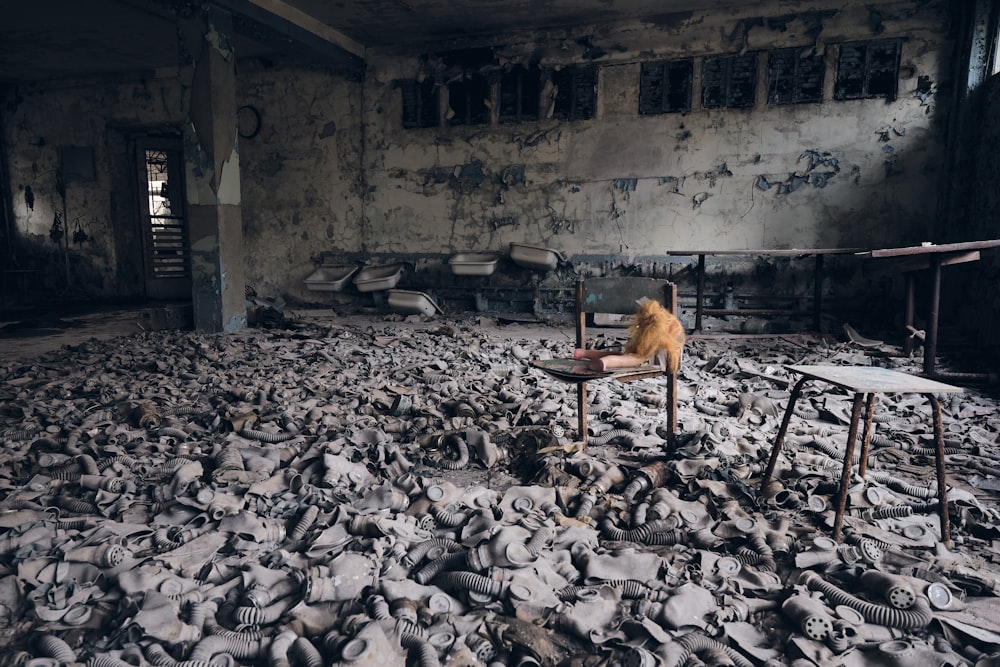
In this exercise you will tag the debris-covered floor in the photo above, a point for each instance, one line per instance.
(369, 491)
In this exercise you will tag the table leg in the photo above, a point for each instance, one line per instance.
(908, 313)
(866, 439)
(845, 476)
(699, 303)
(581, 411)
(942, 480)
(776, 449)
(818, 295)
(931, 336)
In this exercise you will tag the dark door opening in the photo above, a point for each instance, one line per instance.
(163, 219)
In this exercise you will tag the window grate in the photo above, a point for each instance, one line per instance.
(420, 103)
(468, 99)
(793, 79)
(868, 69)
(576, 94)
(520, 92)
(729, 82)
(665, 86)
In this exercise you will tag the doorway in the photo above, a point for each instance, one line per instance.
(163, 219)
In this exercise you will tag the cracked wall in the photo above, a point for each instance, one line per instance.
(40, 118)
(854, 173)
(332, 169)
(301, 175)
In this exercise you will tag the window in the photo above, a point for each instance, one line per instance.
(467, 98)
(576, 94)
(420, 103)
(520, 90)
(729, 81)
(512, 95)
(665, 87)
(867, 69)
(793, 79)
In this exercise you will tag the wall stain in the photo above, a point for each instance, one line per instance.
(821, 166)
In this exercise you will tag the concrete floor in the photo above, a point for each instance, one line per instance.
(350, 368)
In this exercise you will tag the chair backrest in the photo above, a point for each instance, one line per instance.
(618, 296)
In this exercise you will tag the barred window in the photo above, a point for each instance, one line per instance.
(868, 69)
(576, 97)
(793, 79)
(729, 82)
(467, 99)
(420, 103)
(665, 86)
(520, 90)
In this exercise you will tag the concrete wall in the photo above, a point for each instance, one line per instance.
(37, 121)
(333, 174)
(644, 185)
(302, 181)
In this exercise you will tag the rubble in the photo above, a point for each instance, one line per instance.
(371, 492)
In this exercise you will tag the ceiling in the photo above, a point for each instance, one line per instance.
(44, 40)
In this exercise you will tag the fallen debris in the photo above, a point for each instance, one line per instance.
(375, 492)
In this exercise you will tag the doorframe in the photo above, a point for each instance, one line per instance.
(153, 288)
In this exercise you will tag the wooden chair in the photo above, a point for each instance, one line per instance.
(619, 296)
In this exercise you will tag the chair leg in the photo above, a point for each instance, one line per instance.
(672, 407)
(581, 411)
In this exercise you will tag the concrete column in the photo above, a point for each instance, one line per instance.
(212, 176)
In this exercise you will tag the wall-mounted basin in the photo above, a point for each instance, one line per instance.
(408, 302)
(473, 263)
(329, 278)
(535, 257)
(374, 278)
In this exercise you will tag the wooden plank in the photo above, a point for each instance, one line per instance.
(908, 263)
(931, 249)
(776, 252)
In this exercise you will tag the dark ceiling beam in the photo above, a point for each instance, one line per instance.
(289, 30)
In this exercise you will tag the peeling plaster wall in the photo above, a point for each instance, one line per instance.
(301, 177)
(645, 185)
(37, 121)
(332, 170)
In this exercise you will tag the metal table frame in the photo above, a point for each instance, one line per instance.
(865, 382)
(818, 253)
(927, 258)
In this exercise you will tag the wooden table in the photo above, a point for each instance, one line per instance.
(923, 258)
(865, 382)
(818, 253)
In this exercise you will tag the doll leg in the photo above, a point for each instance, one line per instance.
(591, 354)
(609, 361)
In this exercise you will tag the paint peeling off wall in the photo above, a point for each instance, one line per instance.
(83, 261)
(302, 182)
(766, 176)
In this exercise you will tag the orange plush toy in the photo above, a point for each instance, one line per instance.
(653, 329)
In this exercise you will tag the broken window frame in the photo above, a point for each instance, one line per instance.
(576, 92)
(420, 103)
(520, 94)
(429, 104)
(868, 71)
(803, 77)
(662, 83)
(730, 83)
(472, 92)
